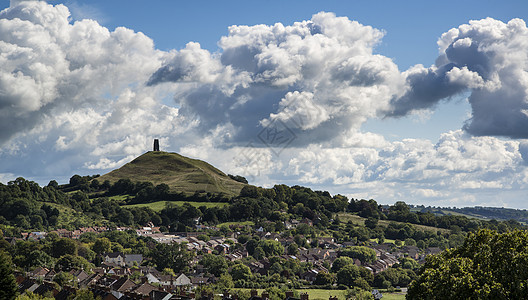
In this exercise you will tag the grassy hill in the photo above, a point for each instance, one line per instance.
(180, 173)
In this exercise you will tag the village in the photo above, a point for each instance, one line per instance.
(130, 276)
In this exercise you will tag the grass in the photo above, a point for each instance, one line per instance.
(387, 241)
(393, 296)
(454, 213)
(159, 205)
(245, 223)
(340, 294)
(180, 173)
(323, 294)
(345, 217)
(70, 217)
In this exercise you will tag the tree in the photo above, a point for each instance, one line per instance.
(39, 258)
(293, 249)
(70, 262)
(84, 294)
(240, 272)
(63, 246)
(364, 254)
(29, 295)
(489, 265)
(272, 247)
(225, 282)
(8, 286)
(259, 253)
(102, 245)
(65, 279)
(340, 262)
(324, 278)
(371, 223)
(348, 274)
(174, 256)
(214, 264)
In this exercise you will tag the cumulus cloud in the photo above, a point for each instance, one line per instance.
(76, 89)
(455, 167)
(50, 66)
(487, 57)
(319, 77)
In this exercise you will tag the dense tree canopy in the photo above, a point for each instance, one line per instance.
(173, 256)
(490, 265)
(8, 286)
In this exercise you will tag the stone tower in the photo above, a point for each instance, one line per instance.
(156, 145)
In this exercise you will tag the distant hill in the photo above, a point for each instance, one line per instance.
(479, 212)
(180, 173)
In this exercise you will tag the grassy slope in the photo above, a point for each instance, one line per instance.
(159, 205)
(454, 213)
(180, 173)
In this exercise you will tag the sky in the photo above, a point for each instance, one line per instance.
(418, 101)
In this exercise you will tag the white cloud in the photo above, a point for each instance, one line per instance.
(490, 58)
(320, 77)
(77, 97)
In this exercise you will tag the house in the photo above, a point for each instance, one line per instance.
(37, 235)
(144, 290)
(181, 280)
(118, 271)
(151, 278)
(104, 295)
(199, 281)
(412, 251)
(120, 259)
(377, 266)
(89, 281)
(432, 250)
(80, 275)
(39, 272)
(133, 259)
(114, 258)
(310, 275)
(222, 248)
(160, 295)
(122, 285)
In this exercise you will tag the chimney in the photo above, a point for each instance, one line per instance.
(156, 145)
(265, 295)
(254, 293)
(304, 296)
(289, 294)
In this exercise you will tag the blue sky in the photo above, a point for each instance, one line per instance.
(371, 124)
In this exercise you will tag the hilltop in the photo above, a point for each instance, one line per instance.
(180, 173)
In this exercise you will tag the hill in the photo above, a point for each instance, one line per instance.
(180, 173)
(479, 212)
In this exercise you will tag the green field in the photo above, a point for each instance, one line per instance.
(245, 223)
(453, 213)
(340, 294)
(159, 205)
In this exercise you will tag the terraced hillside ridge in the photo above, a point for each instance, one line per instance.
(180, 173)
